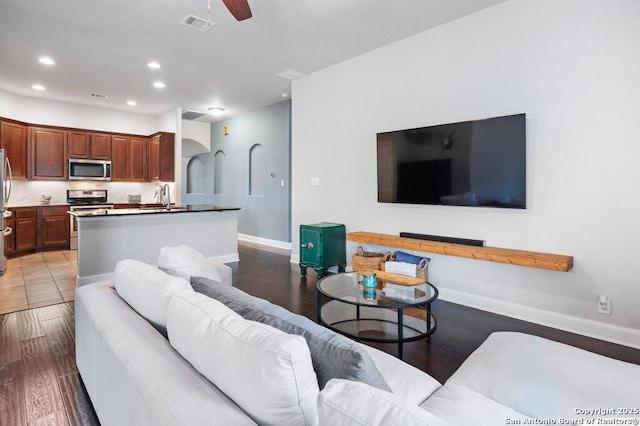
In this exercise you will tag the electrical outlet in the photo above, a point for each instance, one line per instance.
(603, 304)
(315, 181)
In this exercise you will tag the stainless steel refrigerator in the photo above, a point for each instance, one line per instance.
(6, 179)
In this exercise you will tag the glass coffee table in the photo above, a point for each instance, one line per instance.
(345, 307)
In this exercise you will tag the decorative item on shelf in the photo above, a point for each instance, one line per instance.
(46, 199)
(368, 260)
(134, 198)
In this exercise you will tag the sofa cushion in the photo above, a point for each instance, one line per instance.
(265, 371)
(333, 355)
(347, 403)
(133, 375)
(459, 405)
(147, 290)
(545, 379)
(405, 380)
(186, 262)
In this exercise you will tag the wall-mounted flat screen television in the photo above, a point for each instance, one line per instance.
(480, 163)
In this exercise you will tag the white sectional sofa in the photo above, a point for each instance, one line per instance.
(222, 364)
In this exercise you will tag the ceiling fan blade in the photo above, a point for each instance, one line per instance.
(239, 9)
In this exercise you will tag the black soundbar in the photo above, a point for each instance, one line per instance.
(454, 240)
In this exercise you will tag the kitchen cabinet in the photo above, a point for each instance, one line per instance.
(138, 159)
(120, 154)
(25, 229)
(100, 146)
(90, 146)
(161, 151)
(13, 139)
(78, 145)
(24, 236)
(48, 153)
(129, 159)
(9, 240)
(53, 227)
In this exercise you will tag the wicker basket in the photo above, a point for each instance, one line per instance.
(368, 260)
(422, 269)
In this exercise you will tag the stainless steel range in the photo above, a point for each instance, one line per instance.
(83, 200)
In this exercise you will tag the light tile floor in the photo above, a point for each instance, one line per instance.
(38, 279)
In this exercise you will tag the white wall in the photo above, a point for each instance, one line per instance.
(64, 114)
(572, 67)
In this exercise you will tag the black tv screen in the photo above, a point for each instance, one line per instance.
(479, 163)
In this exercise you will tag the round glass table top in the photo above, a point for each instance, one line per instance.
(347, 287)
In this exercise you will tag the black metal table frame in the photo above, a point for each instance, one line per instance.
(400, 307)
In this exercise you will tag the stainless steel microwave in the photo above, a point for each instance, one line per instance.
(80, 169)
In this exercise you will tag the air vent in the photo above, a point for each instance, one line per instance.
(98, 96)
(290, 74)
(196, 23)
(192, 115)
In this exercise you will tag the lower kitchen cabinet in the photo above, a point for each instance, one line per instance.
(9, 240)
(53, 227)
(24, 236)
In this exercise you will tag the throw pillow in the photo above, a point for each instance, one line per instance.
(266, 372)
(147, 290)
(186, 262)
(333, 355)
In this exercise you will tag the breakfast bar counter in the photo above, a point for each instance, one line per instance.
(107, 236)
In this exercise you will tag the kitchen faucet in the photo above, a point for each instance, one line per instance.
(165, 190)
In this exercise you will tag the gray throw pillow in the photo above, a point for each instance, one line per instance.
(332, 355)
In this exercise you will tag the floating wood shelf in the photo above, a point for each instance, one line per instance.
(554, 262)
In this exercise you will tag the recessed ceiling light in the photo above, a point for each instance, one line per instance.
(46, 60)
(132, 103)
(153, 65)
(37, 87)
(158, 85)
(216, 111)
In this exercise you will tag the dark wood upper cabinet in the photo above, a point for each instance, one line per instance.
(119, 158)
(43, 152)
(48, 153)
(90, 146)
(154, 158)
(161, 157)
(128, 159)
(100, 146)
(138, 159)
(79, 145)
(13, 139)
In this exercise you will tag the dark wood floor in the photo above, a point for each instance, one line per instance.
(39, 383)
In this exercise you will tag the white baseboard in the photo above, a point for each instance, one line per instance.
(265, 241)
(90, 279)
(586, 327)
(225, 258)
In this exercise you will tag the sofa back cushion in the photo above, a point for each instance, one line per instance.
(147, 290)
(186, 262)
(266, 372)
(333, 355)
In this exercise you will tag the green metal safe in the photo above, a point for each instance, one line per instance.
(322, 245)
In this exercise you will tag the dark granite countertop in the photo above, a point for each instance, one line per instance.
(154, 210)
